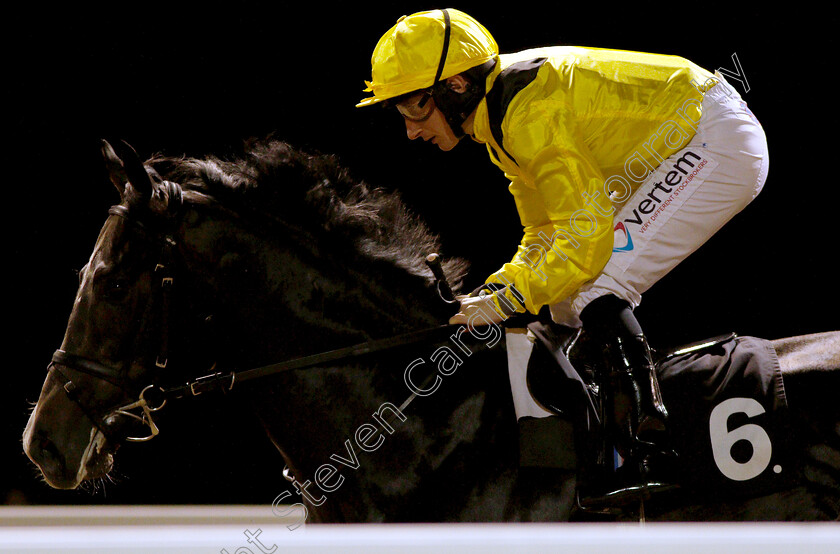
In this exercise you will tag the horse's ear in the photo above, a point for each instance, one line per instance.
(136, 171)
(126, 167)
(114, 165)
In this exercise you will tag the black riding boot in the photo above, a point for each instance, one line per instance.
(639, 412)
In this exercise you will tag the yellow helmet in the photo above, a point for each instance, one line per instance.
(414, 53)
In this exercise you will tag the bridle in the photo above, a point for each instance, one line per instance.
(108, 420)
(154, 397)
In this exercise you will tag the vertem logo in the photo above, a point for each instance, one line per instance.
(622, 236)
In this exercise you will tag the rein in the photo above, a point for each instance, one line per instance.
(106, 420)
(226, 380)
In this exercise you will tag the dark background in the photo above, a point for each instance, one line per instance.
(178, 80)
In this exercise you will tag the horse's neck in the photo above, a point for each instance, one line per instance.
(276, 301)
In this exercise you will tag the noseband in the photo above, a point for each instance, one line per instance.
(108, 420)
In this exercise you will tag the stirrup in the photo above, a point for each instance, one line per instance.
(607, 491)
(617, 500)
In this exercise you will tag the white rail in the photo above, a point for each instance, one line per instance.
(255, 530)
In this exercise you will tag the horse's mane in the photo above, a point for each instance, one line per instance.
(313, 192)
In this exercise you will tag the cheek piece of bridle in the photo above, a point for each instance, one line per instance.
(112, 421)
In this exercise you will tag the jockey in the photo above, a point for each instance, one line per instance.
(621, 164)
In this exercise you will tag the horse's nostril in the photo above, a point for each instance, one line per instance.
(47, 455)
(47, 447)
(45, 451)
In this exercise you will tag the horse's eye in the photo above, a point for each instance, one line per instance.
(116, 289)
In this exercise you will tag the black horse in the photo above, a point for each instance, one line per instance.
(207, 265)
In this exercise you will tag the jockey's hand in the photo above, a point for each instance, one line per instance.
(477, 311)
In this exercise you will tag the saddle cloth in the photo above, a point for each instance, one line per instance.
(727, 405)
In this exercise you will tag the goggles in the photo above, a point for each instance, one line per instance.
(417, 107)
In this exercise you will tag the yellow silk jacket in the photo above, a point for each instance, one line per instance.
(576, 130)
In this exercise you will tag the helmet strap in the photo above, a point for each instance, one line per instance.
(447, 32)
